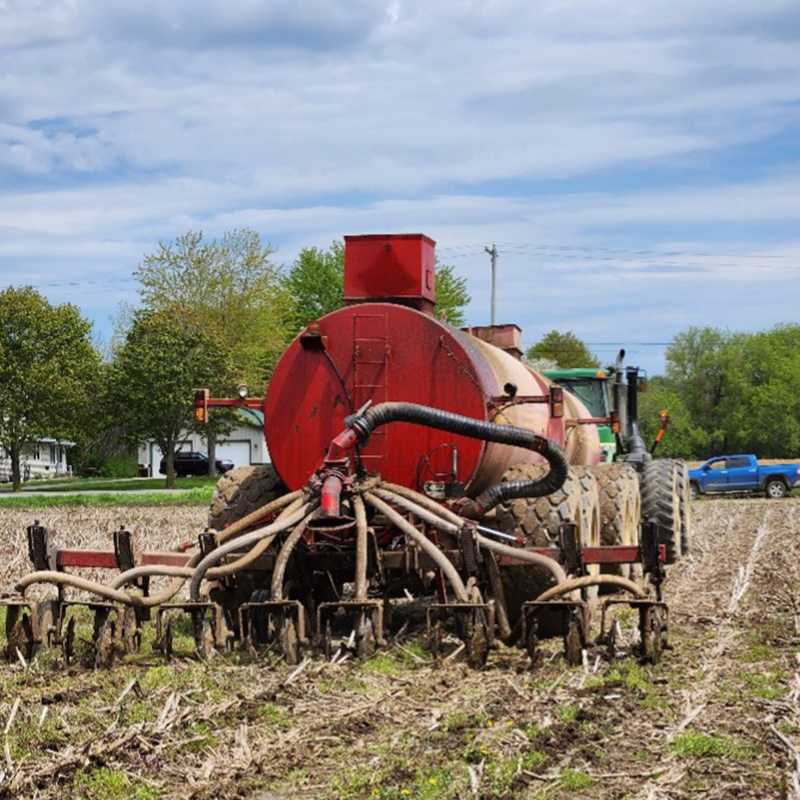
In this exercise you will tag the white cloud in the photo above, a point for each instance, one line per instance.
(554, 122)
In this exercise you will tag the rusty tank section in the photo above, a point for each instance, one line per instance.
(409, 459)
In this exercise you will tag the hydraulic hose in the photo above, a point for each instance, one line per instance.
(484, 542)
(282, 559)
(524, 555)
(385, 413)
(425, 502)
(361, 548)
(65, 579)
(425, 544)
(592, 580)
(256, 516)
(427, 515)
(271, 531)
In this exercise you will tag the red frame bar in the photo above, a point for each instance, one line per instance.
(105, 559)
(605, 554)
(257, 403)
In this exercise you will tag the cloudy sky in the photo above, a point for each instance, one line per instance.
(637, 163)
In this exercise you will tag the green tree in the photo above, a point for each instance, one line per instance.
(565, 349)
(48, 372)
(166, 354)
(683, 438)
(767, 421)
(705, 367)
(451, 295)
(315, 282)
(230, 286)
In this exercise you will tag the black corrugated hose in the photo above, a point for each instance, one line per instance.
(384, 413)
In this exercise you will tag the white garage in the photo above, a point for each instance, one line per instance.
(245, 445)
(237, 451)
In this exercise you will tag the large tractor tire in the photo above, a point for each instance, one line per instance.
(686, 506)
(538, 519)
(242, 491)
(620, 509)
(661, 503)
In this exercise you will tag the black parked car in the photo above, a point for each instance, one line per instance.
(193, 463)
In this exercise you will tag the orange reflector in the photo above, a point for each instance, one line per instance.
(201, 405)
(556, 402)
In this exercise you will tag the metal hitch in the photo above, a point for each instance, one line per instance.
(367, 623)
(653, 626)
(263, 622)
(21, 616)
(575, 626)
(474, 625)
(210, 628)
(110, 630)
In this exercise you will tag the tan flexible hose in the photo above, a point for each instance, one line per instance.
(282, 559)
(256, 516)
(281, 524)
(425, 544)
(65, 579)
(524, 555)
(361, 549)
(289, 503)
(425, 502)
(489, 544)
(592, 580)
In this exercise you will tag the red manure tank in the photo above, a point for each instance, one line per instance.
(387, 344)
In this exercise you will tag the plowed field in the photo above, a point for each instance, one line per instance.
(719, 717)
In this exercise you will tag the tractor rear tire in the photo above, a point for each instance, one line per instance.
(620, 509)
(686, 506)
(241, 491)
(661, 503)
(538, 519)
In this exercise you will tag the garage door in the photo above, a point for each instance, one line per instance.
(238, 452)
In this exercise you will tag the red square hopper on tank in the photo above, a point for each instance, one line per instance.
(390, 267)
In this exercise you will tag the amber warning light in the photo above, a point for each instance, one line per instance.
(556, 402)
(201, 405)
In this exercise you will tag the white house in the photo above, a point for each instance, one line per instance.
(45, 458)
(244, 445)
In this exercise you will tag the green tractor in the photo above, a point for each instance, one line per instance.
(612, 397)
(591, 387)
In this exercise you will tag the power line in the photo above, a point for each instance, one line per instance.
(586, 249)
(77, 284)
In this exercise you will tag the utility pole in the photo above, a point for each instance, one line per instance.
(493, 254)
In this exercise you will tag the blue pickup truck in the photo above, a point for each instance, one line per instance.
(743, 474)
